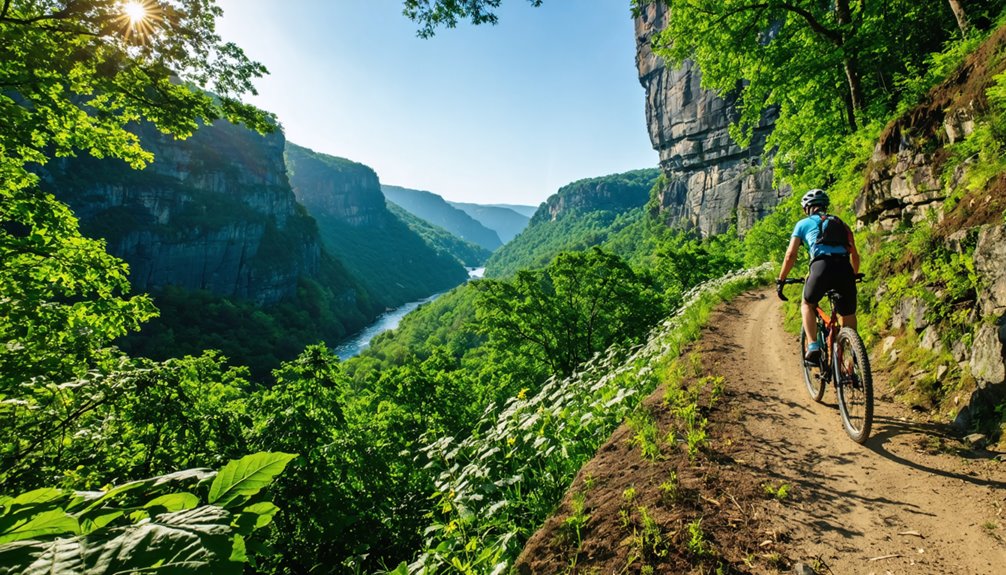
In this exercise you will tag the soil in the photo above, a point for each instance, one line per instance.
(913, 499)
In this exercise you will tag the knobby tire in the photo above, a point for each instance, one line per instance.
(855, 385)
(815, 382)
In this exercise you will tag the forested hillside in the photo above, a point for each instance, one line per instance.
(581, 214)
(389, 258)
(212, 230)
(506, 222)
(469, 254)
(437, 211)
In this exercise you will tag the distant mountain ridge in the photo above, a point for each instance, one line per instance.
(506, 222)
(469, 254)
(437, 211)
(520, 209)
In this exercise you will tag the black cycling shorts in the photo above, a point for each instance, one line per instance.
(832, 274)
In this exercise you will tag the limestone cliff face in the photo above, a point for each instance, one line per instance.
(710, 179)
(214, 212)
(339, 188)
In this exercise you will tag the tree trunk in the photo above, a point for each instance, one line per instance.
(962, 18)
(855, 99)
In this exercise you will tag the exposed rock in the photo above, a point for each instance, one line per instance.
(931, 340)
(888, 343)
(214, 212)
(903, 181)
(803, 569)
(710, 178)
(941, 372)
(990, 263)
(988, 360)
(910, 312)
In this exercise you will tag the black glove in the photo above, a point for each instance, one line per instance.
(779, 284)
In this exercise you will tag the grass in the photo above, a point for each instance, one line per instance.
(778, 492)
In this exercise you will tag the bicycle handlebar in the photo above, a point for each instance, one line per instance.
(791, 281)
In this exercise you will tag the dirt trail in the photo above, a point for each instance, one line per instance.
(897, 505)
(851, 503)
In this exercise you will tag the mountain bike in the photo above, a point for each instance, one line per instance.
(844, 362)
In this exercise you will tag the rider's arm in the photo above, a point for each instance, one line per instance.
(792, 252)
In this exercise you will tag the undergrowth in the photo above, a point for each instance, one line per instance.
(497, 486)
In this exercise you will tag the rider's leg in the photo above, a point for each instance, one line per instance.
(809, 313)
(848, 321)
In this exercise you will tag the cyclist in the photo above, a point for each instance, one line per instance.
(834, 263)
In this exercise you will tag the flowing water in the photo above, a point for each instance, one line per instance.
(388, 320)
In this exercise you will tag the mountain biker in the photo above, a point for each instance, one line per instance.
(834, 263)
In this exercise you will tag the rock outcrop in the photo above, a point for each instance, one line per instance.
(711, 181)
(214, 212)
(908, 182)
(340, 188)
(904, 180)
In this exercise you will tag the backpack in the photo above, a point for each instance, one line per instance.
(832, 231)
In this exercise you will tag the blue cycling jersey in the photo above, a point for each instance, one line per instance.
(807, 230)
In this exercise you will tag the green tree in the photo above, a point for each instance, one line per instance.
(431, 15)
(582, 303)
(73, 75)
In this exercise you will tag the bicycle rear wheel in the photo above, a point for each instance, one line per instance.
(855, 385)
(812, 376)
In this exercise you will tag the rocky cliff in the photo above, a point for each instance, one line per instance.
(391, 260)
(711, 181)
(214, 212)
(949, 292)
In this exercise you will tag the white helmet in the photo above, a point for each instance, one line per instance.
(815, 197)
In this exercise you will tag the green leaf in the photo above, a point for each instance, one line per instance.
(44, 495)
(90, 524)
(174, 502)
(265, 511)
(240, 552)
(246, 476)
(54, 522)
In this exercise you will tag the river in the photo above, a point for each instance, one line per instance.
(388, 320)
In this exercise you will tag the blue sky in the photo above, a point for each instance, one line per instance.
(487, 114)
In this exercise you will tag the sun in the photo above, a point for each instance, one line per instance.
(136, 11)
(139, 20)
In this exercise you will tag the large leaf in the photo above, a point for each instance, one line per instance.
(152, 485)
(38, 496)
(190, 542)
(246, 476)
(47, 523)
(57, 557)
(193, 541)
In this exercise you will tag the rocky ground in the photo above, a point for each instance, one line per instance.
(780, 486)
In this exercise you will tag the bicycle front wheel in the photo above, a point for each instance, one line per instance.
(812, 376)
(855, 385)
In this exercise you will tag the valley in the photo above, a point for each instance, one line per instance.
(228, 345)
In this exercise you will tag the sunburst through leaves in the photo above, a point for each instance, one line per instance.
(139, 18)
